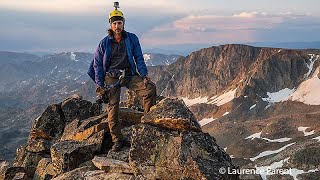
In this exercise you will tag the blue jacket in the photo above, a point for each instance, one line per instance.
(100, 63)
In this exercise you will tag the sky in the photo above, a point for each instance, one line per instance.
(69, 25)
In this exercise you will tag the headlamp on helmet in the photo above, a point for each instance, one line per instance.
(116, 15)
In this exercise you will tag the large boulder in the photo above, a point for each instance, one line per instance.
(172, 114)
(164, 154)
(50, 124)
(75, 107)
(68, 155)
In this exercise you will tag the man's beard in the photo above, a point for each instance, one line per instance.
(118, 31)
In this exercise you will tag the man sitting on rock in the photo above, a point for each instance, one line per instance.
(120, 51)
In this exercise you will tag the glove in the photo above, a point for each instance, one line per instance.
(102, 95)
(100, 91)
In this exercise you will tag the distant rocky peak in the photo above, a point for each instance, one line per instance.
(252, 71)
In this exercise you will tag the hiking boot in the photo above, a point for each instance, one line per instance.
(117, 146)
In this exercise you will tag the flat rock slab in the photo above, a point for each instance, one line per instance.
(102, 175)
(111, 165)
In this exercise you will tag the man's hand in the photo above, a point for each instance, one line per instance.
(100, 91)
(102, 95)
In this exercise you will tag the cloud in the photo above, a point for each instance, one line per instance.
(158, 25)
(237, 28)
(89, 7)
(249, 14)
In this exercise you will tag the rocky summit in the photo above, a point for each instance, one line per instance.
(71, 140)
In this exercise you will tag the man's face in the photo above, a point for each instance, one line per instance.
(117, 27)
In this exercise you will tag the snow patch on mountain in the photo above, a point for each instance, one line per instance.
(54, 69)
(303, 129)
(224, 98)
(268, 170)
(253, 106)
(317, 138)
(73, 56)
(312, 59)
(190, 102)
(308, 91)
(254, 136)
(266, 153)
(206, 121)
(146, 57)
(272, 169)
(278, 140)
(294, 172)
(220, 100)
(258, 136)
(225, 113)
(278, 96)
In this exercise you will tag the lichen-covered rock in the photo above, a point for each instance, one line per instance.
(68, 155)
(41, 170)
(172, 114)
(77, 173)
(50, 124)
(28, 160)
(75, 107)
(111, 165)
(52, 170)
(163, 154)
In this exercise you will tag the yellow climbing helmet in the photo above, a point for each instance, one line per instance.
(115, 13)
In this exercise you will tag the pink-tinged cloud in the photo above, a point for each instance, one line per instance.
(237, 28)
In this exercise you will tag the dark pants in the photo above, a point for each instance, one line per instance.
(147, 92)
